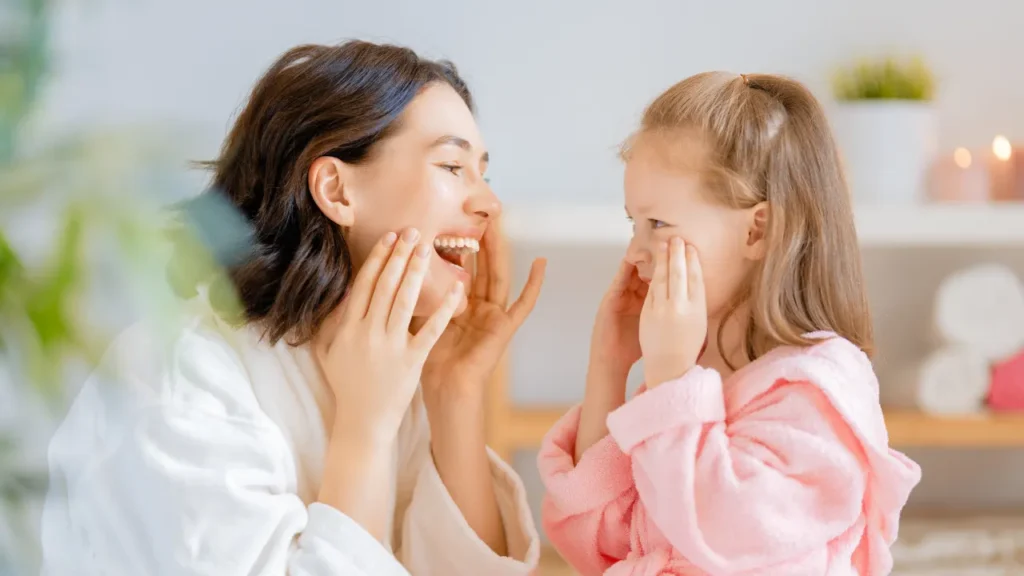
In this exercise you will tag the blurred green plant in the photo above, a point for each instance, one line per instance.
(884, 79)
(103, 191)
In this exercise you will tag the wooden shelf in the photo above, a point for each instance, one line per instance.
(974, 224)
(996, 430)
(526, 427)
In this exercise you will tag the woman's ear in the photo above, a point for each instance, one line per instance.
(327, 185)
(757, 231)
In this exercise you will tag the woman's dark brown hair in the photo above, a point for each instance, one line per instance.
(314, 101)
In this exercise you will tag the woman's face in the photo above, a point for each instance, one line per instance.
(428, 175)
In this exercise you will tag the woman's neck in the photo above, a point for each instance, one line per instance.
(731, 352)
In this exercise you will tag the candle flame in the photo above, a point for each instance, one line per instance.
(1001, 148)
(962, 157)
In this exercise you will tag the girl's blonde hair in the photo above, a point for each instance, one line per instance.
(766, 139)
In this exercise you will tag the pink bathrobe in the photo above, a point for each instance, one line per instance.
(784, 469)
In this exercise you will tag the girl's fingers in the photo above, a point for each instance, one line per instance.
(623, 276)
(694, 275)
(432, 329)
(391, 276)
(659, 281)
(677, 272)
(361, 291)
(522, 307)
(409, 290)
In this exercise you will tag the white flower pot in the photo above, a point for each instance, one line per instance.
(887, 147)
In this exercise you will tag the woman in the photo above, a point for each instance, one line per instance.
(339, 430)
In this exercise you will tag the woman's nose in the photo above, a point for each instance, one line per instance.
(483, 203)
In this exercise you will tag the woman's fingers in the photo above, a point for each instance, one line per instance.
(694, 275)
(677, 272)
(432, 329)
(409, 291)
(387, 284)
(497, 264)
(481, 281)
(358, 299)
(522, 307)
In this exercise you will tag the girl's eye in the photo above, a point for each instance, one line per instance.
(453, 168)
(656, 223)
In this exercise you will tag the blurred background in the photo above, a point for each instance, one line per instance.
(106, 101)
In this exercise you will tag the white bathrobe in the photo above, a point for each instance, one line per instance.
(205, 456)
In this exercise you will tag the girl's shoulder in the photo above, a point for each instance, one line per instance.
(827, 350)
(833, 364)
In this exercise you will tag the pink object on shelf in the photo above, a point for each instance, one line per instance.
(1017, 189)
(1006, 392)
(1006, 170)
(962, 176)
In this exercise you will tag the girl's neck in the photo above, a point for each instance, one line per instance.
(732, 338)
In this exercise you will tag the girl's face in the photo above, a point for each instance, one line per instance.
(428, 175)
(664, 198)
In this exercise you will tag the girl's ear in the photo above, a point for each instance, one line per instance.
(757, 231)
(331, 190)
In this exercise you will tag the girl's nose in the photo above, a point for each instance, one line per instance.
(638, 253)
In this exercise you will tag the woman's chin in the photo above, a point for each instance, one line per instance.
(431, 298)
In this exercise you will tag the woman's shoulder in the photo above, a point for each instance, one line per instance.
(199, 365)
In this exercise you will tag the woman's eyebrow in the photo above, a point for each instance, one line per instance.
(449, 140)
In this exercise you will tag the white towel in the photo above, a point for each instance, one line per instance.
(952, 380)
(982, 307)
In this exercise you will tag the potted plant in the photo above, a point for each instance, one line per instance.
(885, 128)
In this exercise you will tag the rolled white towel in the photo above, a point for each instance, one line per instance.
(952, 380)
(982, 307)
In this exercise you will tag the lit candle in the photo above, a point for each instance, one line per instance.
(958, 177)
(1002, 169)
(1017, 159)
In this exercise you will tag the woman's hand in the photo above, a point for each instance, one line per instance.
(465, 356)
(615, 342)
(373, 364)
(674, 320)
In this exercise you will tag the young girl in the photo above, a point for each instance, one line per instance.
(757, 444)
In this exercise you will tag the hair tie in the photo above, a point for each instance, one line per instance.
(745, 80)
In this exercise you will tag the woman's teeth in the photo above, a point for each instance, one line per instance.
(457, 244)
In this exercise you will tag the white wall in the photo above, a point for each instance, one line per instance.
(559, 84)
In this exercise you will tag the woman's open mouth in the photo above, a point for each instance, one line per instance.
(455, 249)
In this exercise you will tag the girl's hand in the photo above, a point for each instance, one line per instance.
(674, 321)
(373, 363)
(615, 342)
(467, 353)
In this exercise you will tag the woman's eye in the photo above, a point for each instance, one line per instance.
(453, 168)
(656, 223)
